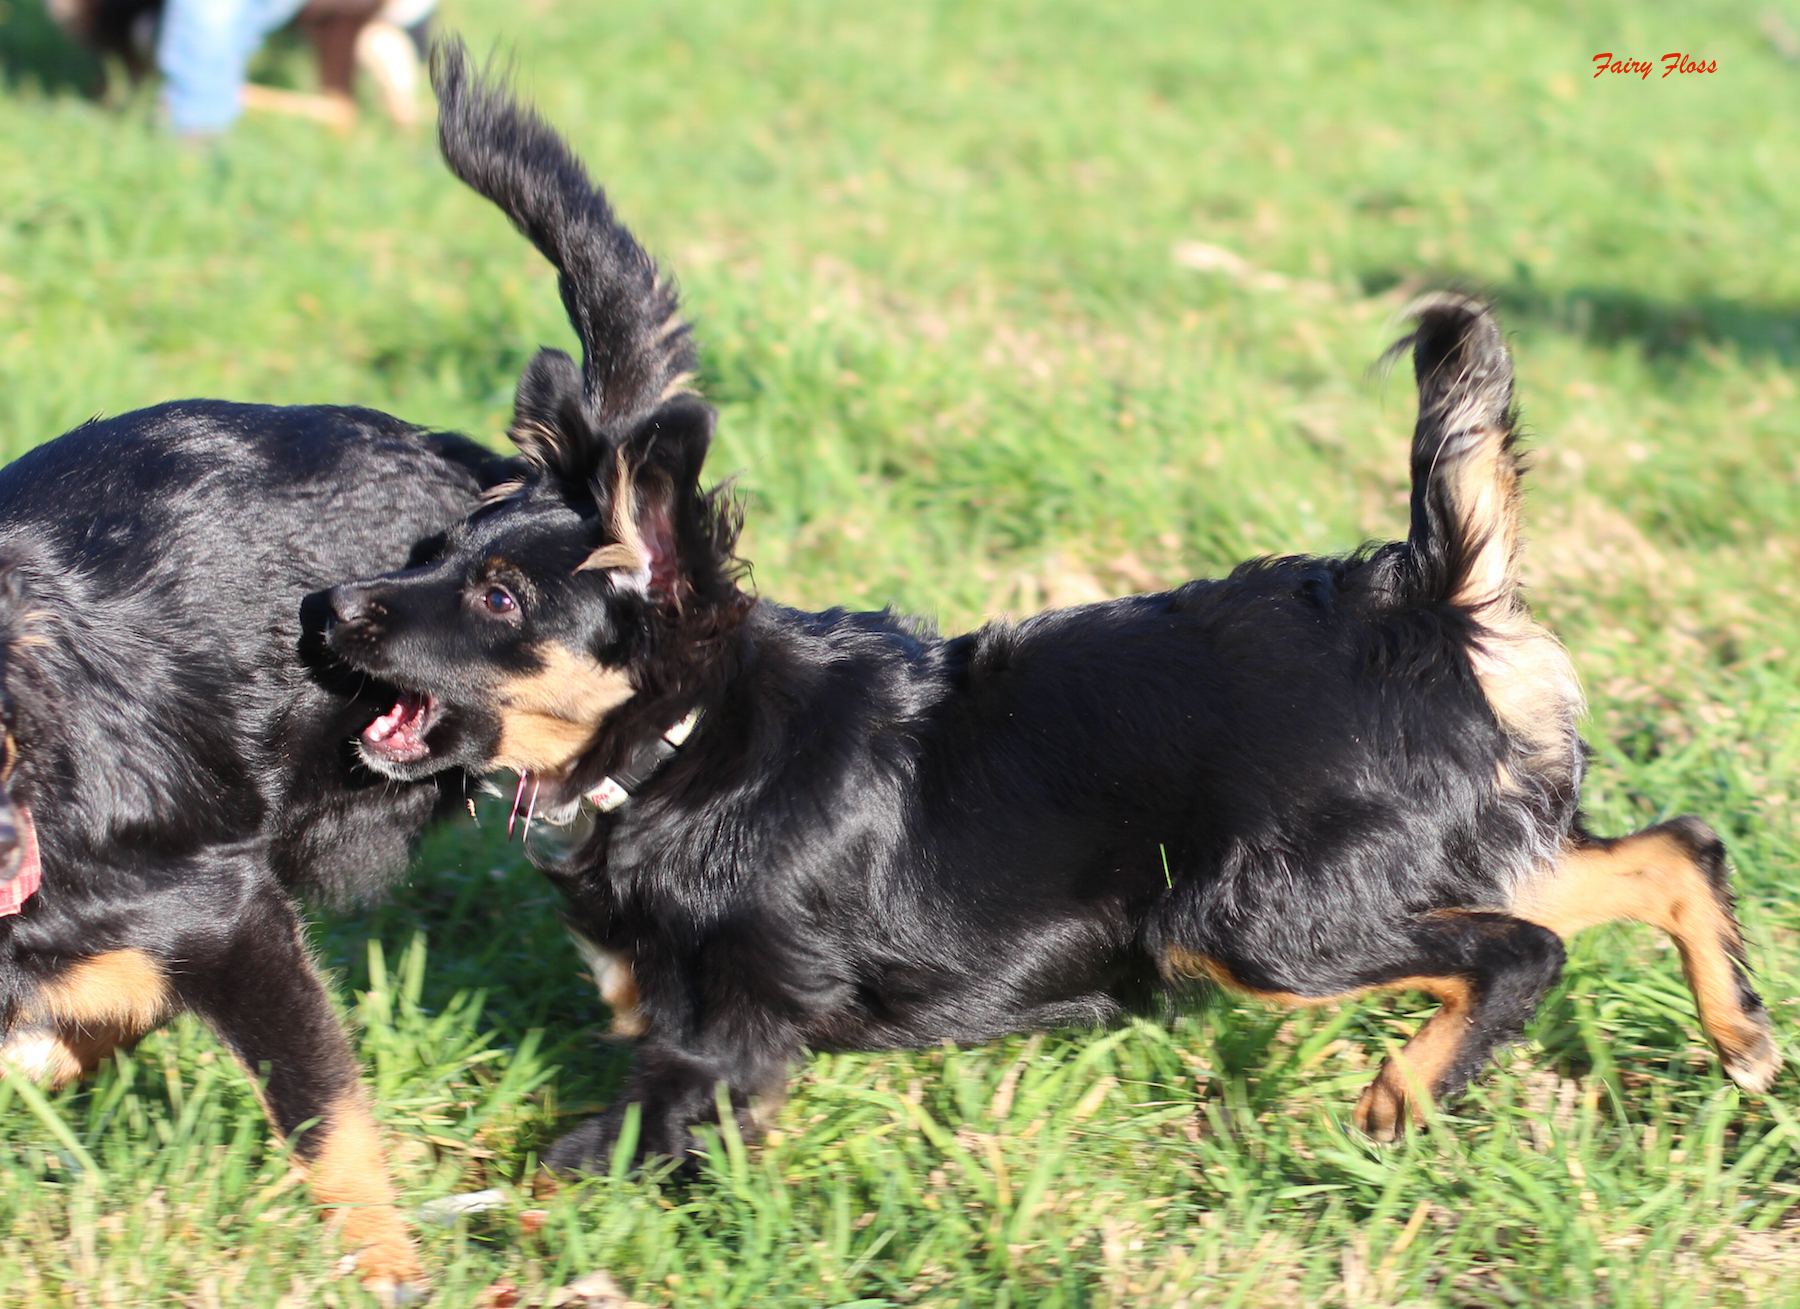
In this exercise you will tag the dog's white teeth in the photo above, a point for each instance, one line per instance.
(385, 724)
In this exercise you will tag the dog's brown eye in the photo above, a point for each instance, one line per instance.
(499, 601)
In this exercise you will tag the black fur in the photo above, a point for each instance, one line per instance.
(1290, 779)
(182, 745)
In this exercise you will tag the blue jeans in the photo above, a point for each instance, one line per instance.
(203, 51)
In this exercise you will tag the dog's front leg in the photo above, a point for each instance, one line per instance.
(260, 993)
(721, 1018)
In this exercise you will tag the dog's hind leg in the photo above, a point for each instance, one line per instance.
(1488, 970)
(261, 994)
(1672, 876)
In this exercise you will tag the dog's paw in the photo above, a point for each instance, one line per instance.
(40, 1055)
(395, 1294)
(393, 1278)
(587, 1149)
(1385, 1109)
(591, 1146)
(1752, 1062)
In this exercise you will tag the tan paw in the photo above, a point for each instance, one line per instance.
(1753, 1062)
(1379, 1113)
(39, 1055)
(1386, 1107)
(391, 1276)
(386, 1262)
(394, 1293)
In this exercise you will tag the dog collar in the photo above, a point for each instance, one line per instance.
(621, 786)
(24, 883)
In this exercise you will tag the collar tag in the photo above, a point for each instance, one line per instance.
(678, 734)
(25, 882)
(608, 796)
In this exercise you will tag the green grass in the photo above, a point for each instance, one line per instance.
(930, 251)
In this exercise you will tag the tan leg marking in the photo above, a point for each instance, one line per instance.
(1412, 1076)
(1653, 877)
(1417, 1069)
(618, 987)
(611, 971)
(346, 1167)
(547, 719)
(1180, 962)
(124, 988)
(79, 1017)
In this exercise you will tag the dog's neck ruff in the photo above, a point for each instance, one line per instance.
(645, 760)
(24, 883)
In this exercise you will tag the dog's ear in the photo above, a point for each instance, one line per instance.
(652, 503)
(550, 424)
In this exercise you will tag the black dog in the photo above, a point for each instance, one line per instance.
(1313, 779)
(179, 759)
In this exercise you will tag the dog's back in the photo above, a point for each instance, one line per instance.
(165, 554)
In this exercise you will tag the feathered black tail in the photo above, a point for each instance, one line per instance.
(1464, 538)
(636, 349)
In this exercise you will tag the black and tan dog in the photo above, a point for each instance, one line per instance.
(1314, 779)
(179, 757)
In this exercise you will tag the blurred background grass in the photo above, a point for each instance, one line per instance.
(1005, 305)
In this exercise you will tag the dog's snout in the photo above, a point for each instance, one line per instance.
(356, 623)
(351, 602)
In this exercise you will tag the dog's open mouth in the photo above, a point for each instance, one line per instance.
(398, 736)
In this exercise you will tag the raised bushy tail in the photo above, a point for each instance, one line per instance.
(1465, 547)
(1464, 538)
(636, 349)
